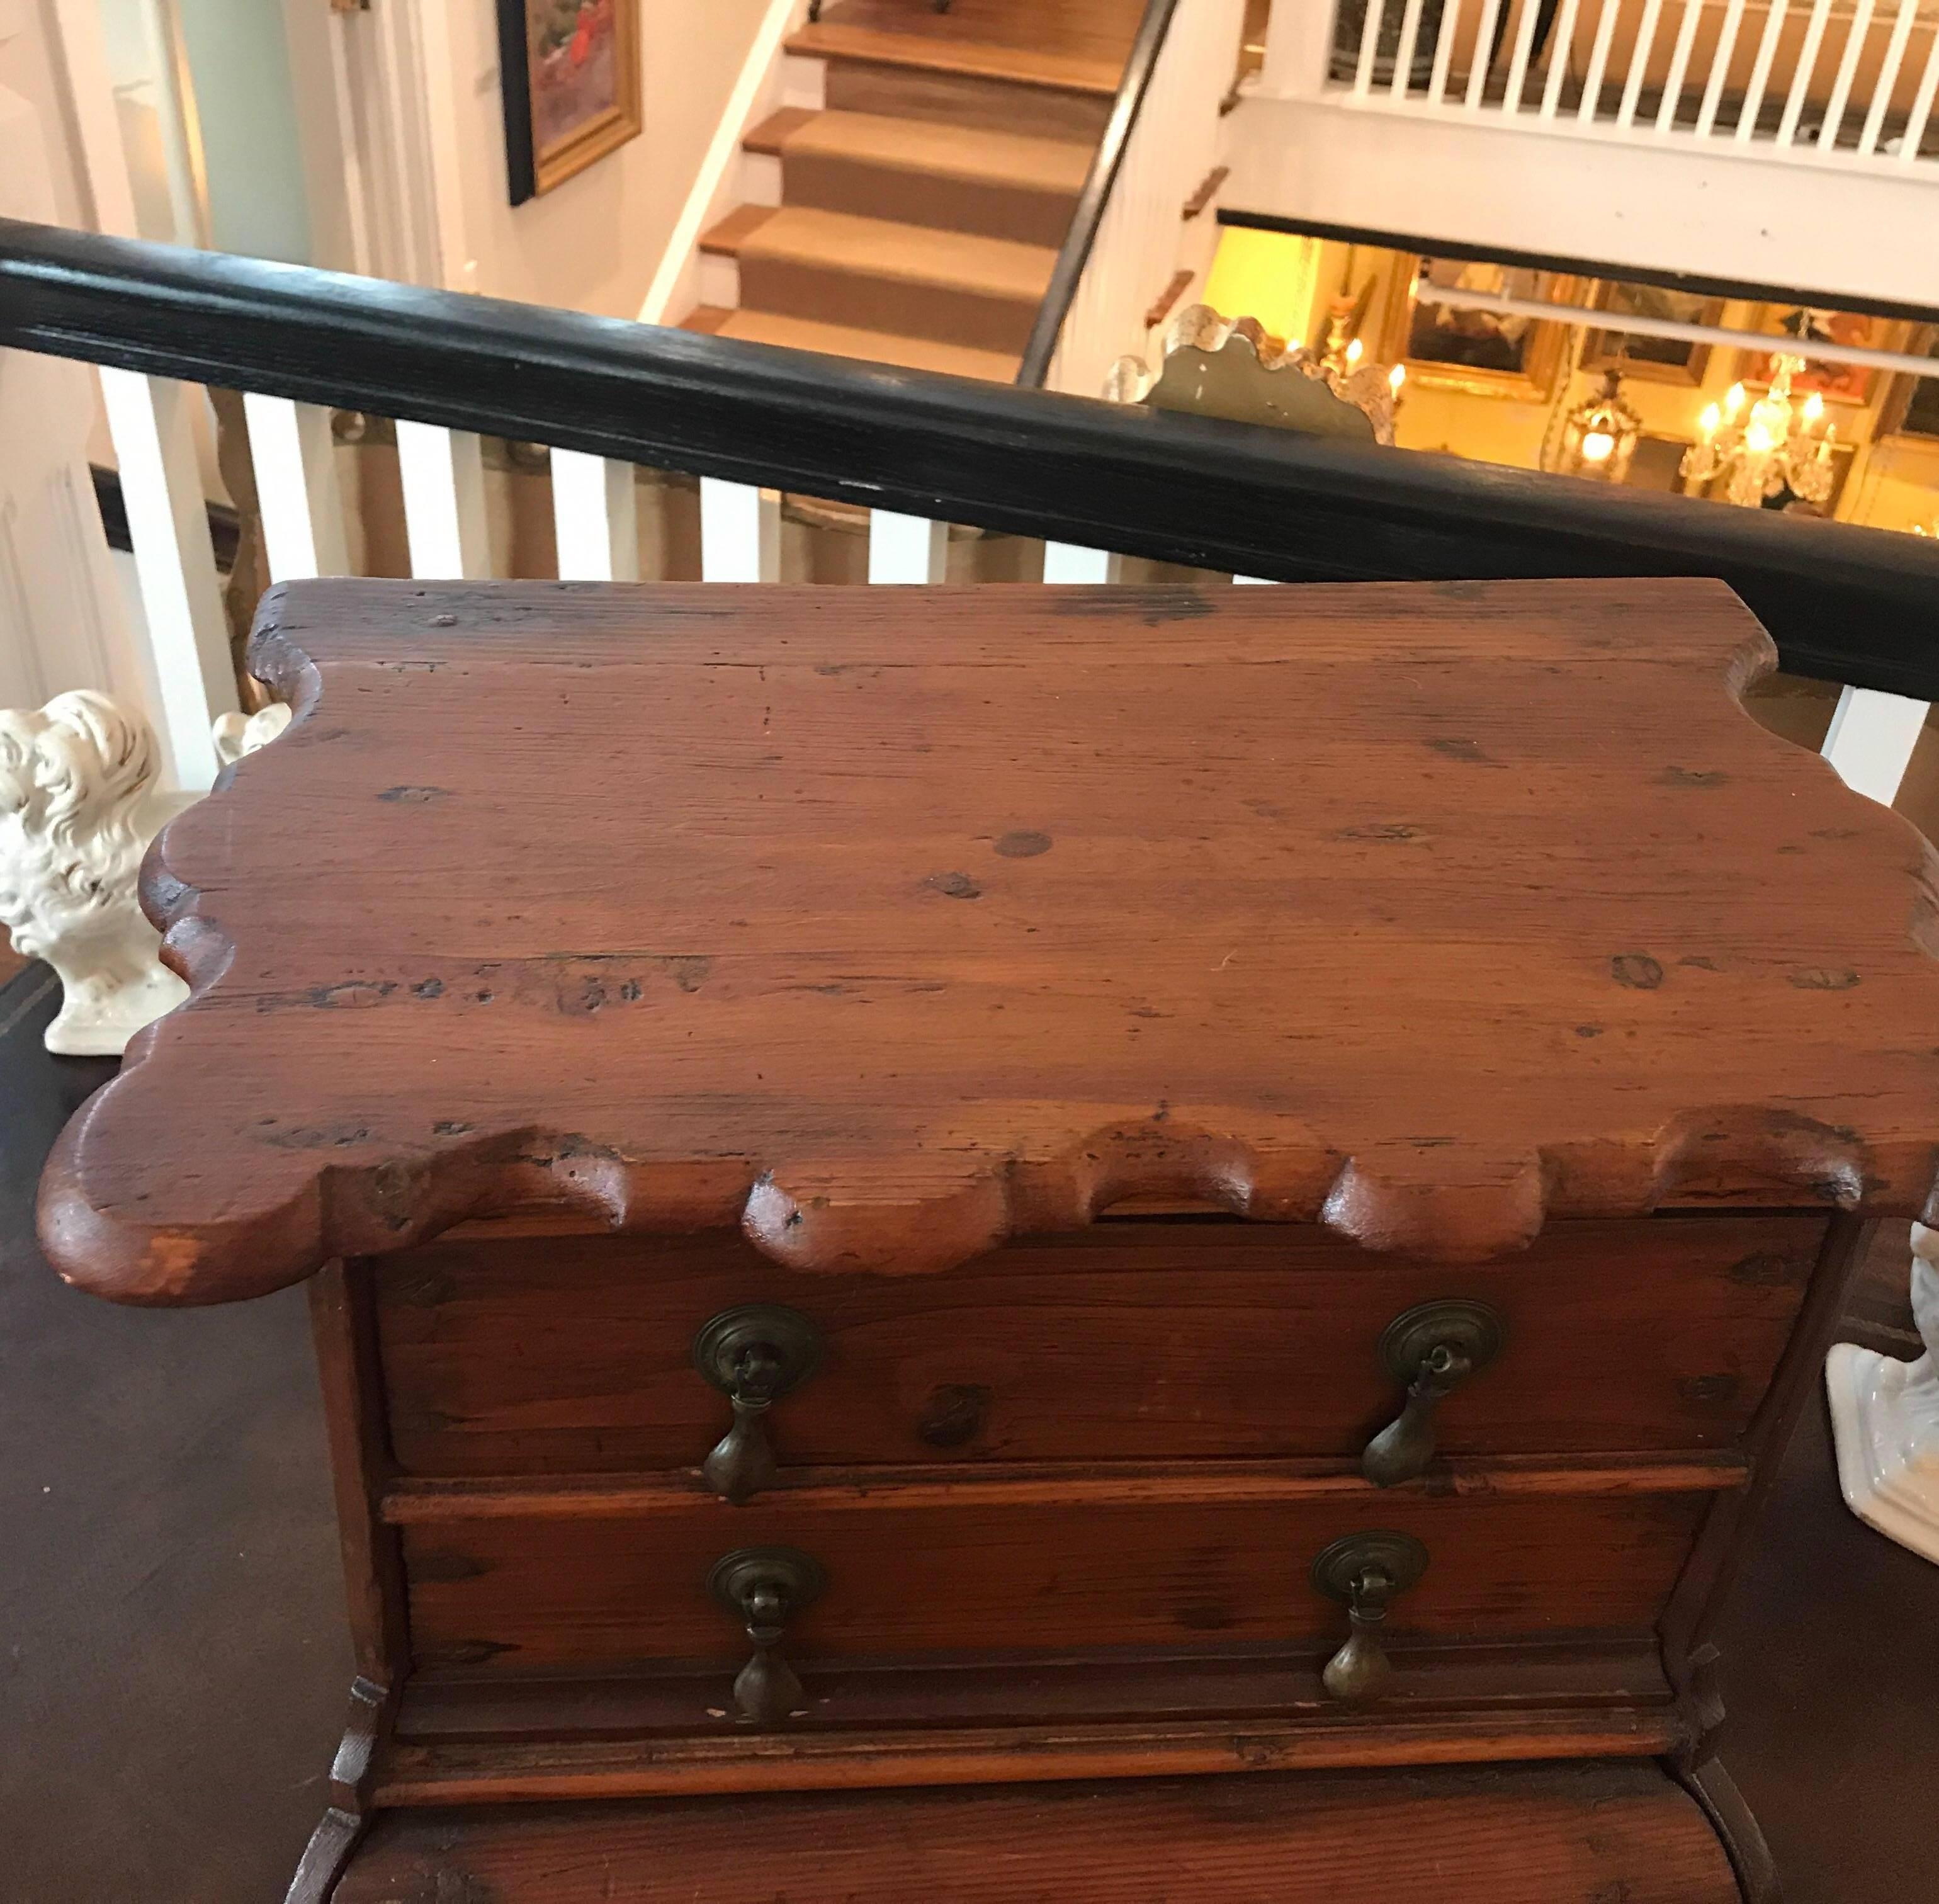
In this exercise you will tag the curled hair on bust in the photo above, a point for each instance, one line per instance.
(73, 779)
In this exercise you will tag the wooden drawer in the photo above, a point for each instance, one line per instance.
(1132, 1340)
(931, 1582)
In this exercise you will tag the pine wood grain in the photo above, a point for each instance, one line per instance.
(569, 1496)
(887, 923)
(504, 1359)
(967, 1578)
(1528, 1836)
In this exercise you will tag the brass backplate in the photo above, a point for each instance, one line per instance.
(1399, 1556)
(1474, 1329)
(800, 1577)
(726, 1338)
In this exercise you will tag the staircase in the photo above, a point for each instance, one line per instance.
(920, 208)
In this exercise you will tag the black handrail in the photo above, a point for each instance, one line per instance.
(1075, 252)
(1845, 604)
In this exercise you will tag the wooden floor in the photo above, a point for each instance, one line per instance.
(175, 1666)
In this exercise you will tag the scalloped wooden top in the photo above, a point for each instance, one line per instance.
(885, 922)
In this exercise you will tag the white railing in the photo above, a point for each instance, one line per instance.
(1848, 83)
(1145, 241)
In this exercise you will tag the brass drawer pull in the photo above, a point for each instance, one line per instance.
(1433, 1349)
(1364, 1571)
(763, 1588)
(754, 1355)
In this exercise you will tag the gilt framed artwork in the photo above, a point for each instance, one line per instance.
(1912, 406)
(1659, 360)
(1853, 384)
(570, 71)
(1488, 352)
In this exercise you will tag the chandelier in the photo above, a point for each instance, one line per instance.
(1598, 435)
(1779, 445)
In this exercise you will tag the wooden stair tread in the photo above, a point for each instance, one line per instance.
(1021, 65)
(1018, 159)
(917, 254)
(1520, 1835)
(846, 340)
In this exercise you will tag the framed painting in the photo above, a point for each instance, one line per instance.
(1912, 405)
(1851, 384)
(1488, 353)
(571, 72)
(1660, 360)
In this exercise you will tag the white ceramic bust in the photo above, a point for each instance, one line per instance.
(77, 812)
(1884, 1414)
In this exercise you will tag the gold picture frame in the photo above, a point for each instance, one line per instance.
(1483, 352)
(1911, 407)
(570, 71)
(1655, 360)
(1851, 385)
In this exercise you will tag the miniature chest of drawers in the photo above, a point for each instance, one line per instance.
(1009, 1243)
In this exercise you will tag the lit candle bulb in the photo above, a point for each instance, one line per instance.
(1355, 352)
(1733, 400)
(1597, 444)
(1814, 410)
(1708, 422)
(1396, 377)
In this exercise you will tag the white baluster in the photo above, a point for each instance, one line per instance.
(1477, 60)
(906, 548)
(1560, 42)
(1599, 61)
(1871, 740)
(740, 532)
(1801, 77)
(191, 677)
(1443, 51)
(1914, 135)
(1720, 66)
(1646, 39)
(1679, 66)
(443, 473)
(295, 460)
(1766, 52)
(168, 527)
(1371, 22)
(1524, 40)
(1855, 36)
(1065, 561)
(595, 518)
(1409, 37)
(1888, 76)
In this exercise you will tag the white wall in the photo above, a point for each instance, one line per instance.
(592, 244)
(61, 623)
(30, 69)
(239, 64)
